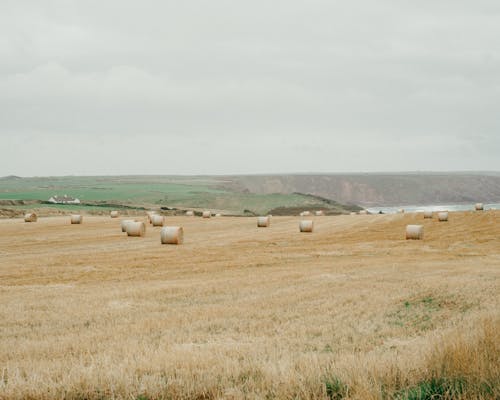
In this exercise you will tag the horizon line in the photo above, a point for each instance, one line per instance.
(311, 173)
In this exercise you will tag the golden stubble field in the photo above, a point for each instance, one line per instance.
(350, 311)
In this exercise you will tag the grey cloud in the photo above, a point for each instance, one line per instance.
(307, 85)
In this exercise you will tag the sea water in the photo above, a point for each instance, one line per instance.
(440, 207)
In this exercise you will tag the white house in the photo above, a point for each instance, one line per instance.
(63, 200)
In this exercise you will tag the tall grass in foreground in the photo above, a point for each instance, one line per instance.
(461, 364)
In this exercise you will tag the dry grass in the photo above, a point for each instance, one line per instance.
(350, 311)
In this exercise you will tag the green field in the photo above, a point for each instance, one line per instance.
(153, 192)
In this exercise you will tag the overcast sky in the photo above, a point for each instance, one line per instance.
(262, 86)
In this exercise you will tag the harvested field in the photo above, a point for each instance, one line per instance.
(352, 310)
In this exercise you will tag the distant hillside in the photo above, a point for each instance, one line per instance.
(279, 194)
(380, 189)
(157, 192)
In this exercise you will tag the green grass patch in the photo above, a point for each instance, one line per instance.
(416, 313)
(73, 207)
(159, 191)
(335, 388)
(423, 312)
(433, 389)
(88, 189)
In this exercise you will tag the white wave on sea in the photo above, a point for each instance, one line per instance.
(440, 207)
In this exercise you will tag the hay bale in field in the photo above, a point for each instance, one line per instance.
(76, 219)
(363, 212)
(157, 220)
(114, 214)
(124, 224)
(189, 213)
(401, 211)
(30, 217)
(479, 207)
(443, 216)
(136, 228)
(352, 213)
(172, 235)
(319, 213)
(263, 222)
(150, 215)
(415, 232)
(427, 214)
(218, 215)
(306, 226)
(206, 214)
(305, 214)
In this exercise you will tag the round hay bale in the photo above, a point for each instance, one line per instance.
(30, 217)
(401, 211)
(443, 216)
(125, 222)
(206, 214)
(114, 214)
(150, 215)
(415, 232)
(218, 215)
(305, 214)
(157, 220)
(306, 226)
(136, 228)
(172, 235)
(263, 222)
(427, 214)
(352, 213)
(76, 219)
(479, 207)
(189, 213)
(319, 213)
(363, 212)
